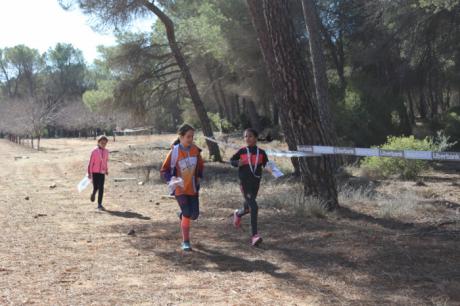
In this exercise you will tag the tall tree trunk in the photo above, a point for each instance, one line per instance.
(422, 104)
(411, 107)
(275, 113)
(244, 105)
(214, 91)
(405, 124)
(229, 114)
(432, 96)
(237, 107)
(440, 93)
(318, 62)
(227, 108)
(448, 96)
(337, 53)
(290, 78)
(214, 151)
(265, 45)
(319, 67)
(254, 116)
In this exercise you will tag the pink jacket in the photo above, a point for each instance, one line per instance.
(98, 162)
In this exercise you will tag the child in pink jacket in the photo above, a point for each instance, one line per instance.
(98, 169)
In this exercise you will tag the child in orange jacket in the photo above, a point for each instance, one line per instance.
(184, 161)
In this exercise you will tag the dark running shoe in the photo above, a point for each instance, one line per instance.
(186, 247)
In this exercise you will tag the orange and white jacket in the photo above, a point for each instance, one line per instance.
(187, 164)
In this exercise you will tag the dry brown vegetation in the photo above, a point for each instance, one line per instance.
(392, 243)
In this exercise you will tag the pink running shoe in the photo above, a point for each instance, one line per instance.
(256, 240)
(236, 219)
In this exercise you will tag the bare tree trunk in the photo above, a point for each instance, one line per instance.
(214, 91)
(336, 50)
(290, 78)
(175, 110)
(275, 111)
(405, 124)
(237, 108)
(265, 45)
(432, 96)
(448, 96)
(227, 108)
(254, 116)
(196, 99)
(313, 23)
(411, 107)
(244, 105)
(319, 67)
(422, 104)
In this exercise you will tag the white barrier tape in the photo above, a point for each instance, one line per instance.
(404, 154)
(276, 153)
(310, 151)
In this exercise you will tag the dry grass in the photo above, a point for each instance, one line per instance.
(291, 198)
(396, 205)
(399, 205)
(57, 250)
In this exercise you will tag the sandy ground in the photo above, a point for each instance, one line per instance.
(56, 249)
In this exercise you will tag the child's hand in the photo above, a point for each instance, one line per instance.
(240, 163)
(107, 173)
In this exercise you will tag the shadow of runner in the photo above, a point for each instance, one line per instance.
(205, 259)
(127, 214)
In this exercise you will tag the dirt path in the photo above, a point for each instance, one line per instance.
(56, 249)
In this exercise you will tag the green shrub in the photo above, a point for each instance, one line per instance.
(220, 124)
(406, 169)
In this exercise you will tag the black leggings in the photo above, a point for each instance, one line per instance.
(98, 185)
(250, 190)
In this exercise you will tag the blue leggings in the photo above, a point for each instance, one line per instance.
(189, 206)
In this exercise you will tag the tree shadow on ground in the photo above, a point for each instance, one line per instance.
(353, 215)
(386, 255)
(379, 256)
(208, 259)
(421, 258)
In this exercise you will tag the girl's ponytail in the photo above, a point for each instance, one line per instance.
(176, 142)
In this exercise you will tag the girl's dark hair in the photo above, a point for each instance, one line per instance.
(252, 131)
(183, 129)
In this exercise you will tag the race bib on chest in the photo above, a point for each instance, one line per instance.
(188, 164)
